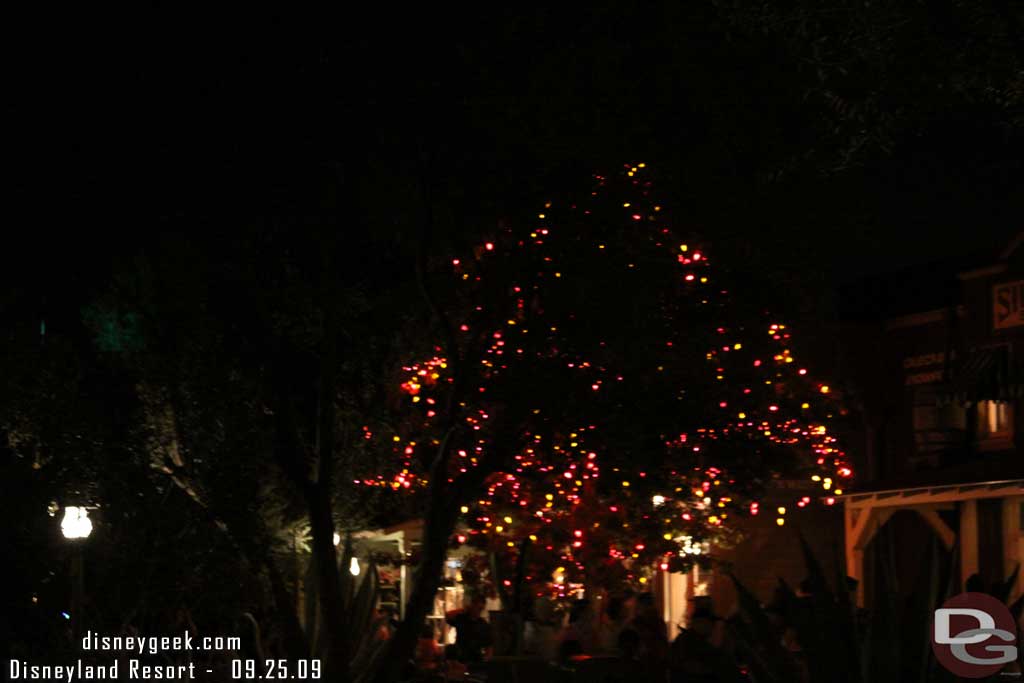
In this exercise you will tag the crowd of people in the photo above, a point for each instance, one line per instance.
(620, 636)
(630, 632)
(624, 637)
(623, 631)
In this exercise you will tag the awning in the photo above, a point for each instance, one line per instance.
(983, 374)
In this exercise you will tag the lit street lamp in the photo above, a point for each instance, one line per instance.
(76, 523)
(76, 527)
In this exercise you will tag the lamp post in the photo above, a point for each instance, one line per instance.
(76, 527)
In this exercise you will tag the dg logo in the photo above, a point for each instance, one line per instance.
(974, 635)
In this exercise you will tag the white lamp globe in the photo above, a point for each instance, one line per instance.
(76, 522)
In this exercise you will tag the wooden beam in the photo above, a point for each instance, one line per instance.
(968, 539)
(931, 516)
(935, 494)
(868, 525)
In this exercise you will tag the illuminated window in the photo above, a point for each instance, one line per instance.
(995, 420)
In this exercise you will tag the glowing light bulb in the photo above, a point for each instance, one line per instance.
(76, 523)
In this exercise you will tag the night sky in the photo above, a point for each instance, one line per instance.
(183, 123)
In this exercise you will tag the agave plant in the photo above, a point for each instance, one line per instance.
(836, 645)
(359, 595)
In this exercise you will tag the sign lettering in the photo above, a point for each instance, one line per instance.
(1008, 305)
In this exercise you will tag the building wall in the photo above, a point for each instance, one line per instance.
(918, 431)
(896, 366)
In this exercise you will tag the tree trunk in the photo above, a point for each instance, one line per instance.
(440, 526)
(318, 497)
(291, 456)
(335, 622)
(441, 514)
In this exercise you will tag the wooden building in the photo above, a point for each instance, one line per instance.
(936, 372)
